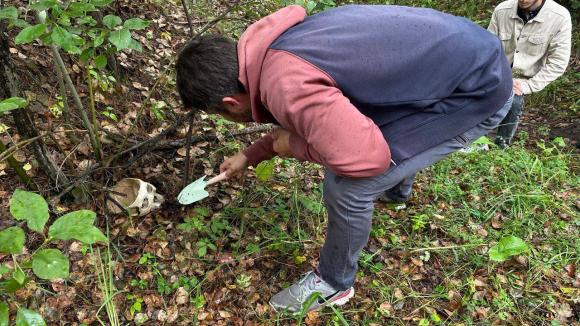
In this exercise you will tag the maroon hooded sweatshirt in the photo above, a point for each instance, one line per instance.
(347, 80)
(325, 127)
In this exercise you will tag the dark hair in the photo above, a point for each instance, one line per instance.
(207, 71)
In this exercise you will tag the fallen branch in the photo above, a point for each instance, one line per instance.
(23, 143)
(7, 152)
(210, 137)
(152, 144)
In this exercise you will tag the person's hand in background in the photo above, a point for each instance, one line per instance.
(518, 87)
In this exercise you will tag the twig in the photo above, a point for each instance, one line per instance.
(188, 15)
(93, 112)
(188, 149)
(194, 139)
(6, 153)
(19, 170)
(55, 141)
(155, 139)
(152, 144)
(115, 202)
(469, 245)
(65, 109)
(90, 170)
(217, 19)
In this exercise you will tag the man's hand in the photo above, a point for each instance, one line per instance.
(234, 165)
(518, 88)
(281, 142)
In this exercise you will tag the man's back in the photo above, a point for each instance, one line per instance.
(383, 56)
(422, 76)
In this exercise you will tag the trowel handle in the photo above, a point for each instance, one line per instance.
(217, 178)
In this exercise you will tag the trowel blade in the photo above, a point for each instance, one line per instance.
(193, 192)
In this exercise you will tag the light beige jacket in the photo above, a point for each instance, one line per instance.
(539, 51)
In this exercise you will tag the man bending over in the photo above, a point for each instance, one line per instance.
(372, 93)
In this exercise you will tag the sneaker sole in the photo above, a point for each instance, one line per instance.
(342, 300)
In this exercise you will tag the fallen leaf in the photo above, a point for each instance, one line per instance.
(480, 313)
(202, 316)
(312, 318)
(181, 296)
(496, 222)
(417, 262)
(19, 156)
(479, 283)
(564, 312)
(398, 294)
(571, 270)
(386, 307)
(225, 314)
(172, 314)
(160, 315)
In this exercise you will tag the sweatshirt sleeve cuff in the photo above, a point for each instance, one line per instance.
(260, 150)
(298, 147)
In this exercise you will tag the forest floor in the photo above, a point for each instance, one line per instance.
(219, 261)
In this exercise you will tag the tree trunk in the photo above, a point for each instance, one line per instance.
(22, 120)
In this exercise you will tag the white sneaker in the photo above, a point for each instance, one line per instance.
(293, 298)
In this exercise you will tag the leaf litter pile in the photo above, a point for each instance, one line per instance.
(218, 261)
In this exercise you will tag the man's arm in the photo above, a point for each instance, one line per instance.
(325, 127)
(260, 150)
(493, 24)
(557, 61)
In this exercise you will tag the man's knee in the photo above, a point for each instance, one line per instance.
(343, 193)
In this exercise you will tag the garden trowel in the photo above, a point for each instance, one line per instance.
(196, 190)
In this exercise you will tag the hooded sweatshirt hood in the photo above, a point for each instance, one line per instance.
(252, 48)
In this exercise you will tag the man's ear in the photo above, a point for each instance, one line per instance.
(233, 104)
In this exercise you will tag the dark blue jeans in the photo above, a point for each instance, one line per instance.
(350, 203)
(507, 128)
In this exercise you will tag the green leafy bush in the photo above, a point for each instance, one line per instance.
(71, 25)
(45, 263)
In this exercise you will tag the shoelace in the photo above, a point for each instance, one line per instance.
(308, 281)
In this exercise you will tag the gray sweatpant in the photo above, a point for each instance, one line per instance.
(349, 202)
